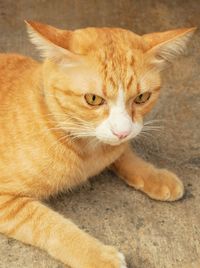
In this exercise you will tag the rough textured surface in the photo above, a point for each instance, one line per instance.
(151, 234)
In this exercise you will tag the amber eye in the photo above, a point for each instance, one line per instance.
(94, 100)
(142, 98)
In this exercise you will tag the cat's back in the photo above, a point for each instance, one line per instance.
(11, 62)
(13, 69)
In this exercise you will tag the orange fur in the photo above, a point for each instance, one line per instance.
(41, 102)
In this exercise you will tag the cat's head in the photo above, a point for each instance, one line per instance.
(100, 82)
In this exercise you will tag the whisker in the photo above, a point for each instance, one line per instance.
(153, 128)
(147, 134)
(154, 121)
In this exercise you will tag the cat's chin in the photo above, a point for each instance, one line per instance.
(114, 143)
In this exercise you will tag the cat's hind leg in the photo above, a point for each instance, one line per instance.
(31, 222)
(159, 184)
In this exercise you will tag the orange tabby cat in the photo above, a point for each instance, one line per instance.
(69, 118)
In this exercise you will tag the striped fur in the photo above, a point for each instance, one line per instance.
(47, 140)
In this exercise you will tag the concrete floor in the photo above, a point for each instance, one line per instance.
(151, 234)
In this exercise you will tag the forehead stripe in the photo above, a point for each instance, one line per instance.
(129, 83)
(138, 89)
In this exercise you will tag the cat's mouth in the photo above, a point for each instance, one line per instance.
(115, 139)
(118, 141)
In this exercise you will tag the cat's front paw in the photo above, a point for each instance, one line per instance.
(109, 257)
(112, 258)
(163, 185)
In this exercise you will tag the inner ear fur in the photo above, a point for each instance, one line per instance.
(53, 43)
(166, 46)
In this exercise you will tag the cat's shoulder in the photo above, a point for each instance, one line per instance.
(15, 61)
(15, 71)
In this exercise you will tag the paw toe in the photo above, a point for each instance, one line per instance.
(178, 191)
(166, 193)
(122, 259)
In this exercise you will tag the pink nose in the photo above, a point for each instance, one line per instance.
(121, 135)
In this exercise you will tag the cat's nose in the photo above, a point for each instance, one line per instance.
(121, 134)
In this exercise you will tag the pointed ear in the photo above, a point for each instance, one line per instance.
(52, 42)
(164, 47)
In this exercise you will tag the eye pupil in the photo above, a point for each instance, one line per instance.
(142, 98)
(94, 100)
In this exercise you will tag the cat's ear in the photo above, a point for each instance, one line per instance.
(53, 43)
(164, 47)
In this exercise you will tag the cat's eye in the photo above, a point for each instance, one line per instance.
(142, 98)
(94, 100)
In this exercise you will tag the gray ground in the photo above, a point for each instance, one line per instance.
(151, 234)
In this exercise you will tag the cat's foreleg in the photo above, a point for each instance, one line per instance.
(33, 223)
(159, 184)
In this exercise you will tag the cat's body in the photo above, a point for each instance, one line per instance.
(66, 120)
